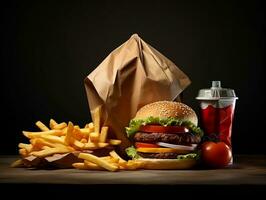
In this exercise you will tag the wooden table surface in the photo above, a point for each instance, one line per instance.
(245, 178)
(246, 170)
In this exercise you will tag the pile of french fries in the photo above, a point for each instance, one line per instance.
(64, 138)
(61, 138)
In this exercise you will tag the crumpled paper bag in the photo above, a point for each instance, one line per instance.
(130, 77)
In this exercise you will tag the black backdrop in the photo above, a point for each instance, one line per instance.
(48, 48)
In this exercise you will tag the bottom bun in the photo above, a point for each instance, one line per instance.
(149, 163)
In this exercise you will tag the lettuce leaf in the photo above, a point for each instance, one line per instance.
(132, 152)
(135, 124)
(189, 156)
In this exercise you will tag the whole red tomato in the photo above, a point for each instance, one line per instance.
(216, 155)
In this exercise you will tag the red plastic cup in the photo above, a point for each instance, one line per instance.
(217, 112)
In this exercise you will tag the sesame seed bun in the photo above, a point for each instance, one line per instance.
(165, 109)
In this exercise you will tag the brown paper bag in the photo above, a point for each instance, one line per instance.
(132, 76)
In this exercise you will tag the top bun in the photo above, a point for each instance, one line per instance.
(165, 109)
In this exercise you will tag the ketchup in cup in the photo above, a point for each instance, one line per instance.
(217, 111)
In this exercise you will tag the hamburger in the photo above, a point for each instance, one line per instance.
(165, 136)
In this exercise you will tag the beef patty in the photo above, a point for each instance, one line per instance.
(182, 139)
(159, 155)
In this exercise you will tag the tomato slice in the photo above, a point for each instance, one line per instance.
(163, 129)
(145, 145)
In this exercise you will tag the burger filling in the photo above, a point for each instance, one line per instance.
(168, 138)
(158, 155)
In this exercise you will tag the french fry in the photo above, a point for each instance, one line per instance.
(105, 157)
(17, 163)
(28, 147)
(38, 143)
(103, 135)
(94, 137)
(76, 126)
(41, 126)
(115, 155)
(83, 140)
(86, 132)
(35, 145)
(90, 126)
(53, 139)
(52, 123)
(69, 133)
(78, 144)
(122, 167)
(77, 134)
(71, 149)
(114, 164)
(96, 115)
(110, 159)
(23, 152)
(64, 130)
(50, 151)
(114, 160)
(79, 166)
(60, 126)
(92, 145)
(92, 166)
(30, 135)
(114, 142)
(46, 147)
(87, 166)
(100, 162)
(133, 165)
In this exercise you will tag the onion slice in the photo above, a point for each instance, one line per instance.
(175, 146)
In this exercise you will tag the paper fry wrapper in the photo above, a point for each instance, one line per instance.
(130, 77)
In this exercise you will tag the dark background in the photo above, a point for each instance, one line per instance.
(48, 48)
